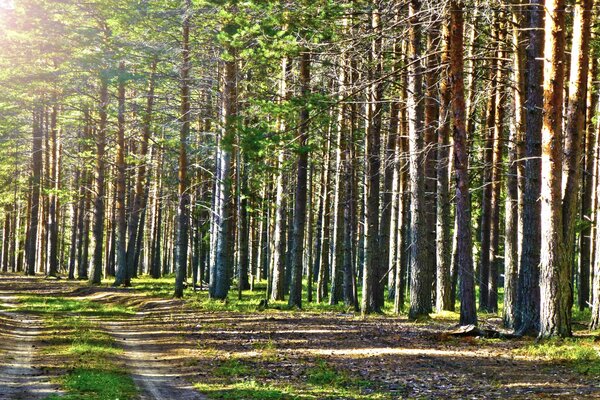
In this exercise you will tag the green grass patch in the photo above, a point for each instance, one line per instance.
(582, 355)
(243, 379)
(233, 368)
(251, 299)
(57, 304)
(249, 389)
(88, 352)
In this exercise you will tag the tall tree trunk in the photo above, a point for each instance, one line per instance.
(53, 206)
(468, 312)
(585, 244)
(496, 184)
(37, 157)
(574, 131)
(123, 276)
(486, 193)
(278, 252)
(297, 250)
(420, 276)
(528, 298)
(99, 205)
(372, 265)
(219, 280)
(138, 202)
(554, 278)
(182, 233)
(444, 218)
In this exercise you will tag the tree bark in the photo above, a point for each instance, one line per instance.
(468, 312)
(554, 278)
(295, 299)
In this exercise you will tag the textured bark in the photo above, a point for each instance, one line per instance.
(139, 198)
(528, 299)
(511, 227)
(36, 157)
(421, 279)
(297, 250)
(278, 255)
(279, 245)
(554, 279)
(431, 122)
(123, 276)
(574, 130)
(468, 312)
(99, 206)
(336, 250)
(182, 233)
(486, 193)
(371, 299)
(495, 257)
(585, 240)
(444, 219)
(53, 185)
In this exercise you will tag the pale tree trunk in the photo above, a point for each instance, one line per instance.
(219, 279)
(586, 238)
(554, 280)
(279, 245)
(511, 236)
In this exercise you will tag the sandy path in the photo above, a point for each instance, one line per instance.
(19, 379)
(151, 360)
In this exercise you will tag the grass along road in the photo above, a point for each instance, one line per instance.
(106, 343)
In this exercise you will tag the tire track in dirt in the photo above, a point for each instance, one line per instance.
(19, 340)
(146, 339)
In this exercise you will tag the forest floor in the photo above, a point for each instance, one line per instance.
(66, 340)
